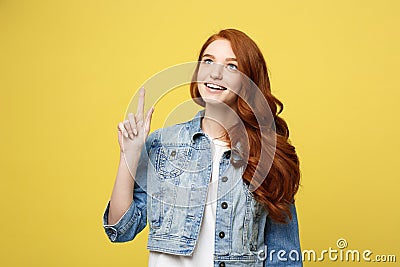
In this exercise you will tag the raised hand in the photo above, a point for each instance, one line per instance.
(132, 133)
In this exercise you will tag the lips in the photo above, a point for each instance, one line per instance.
(215, 86)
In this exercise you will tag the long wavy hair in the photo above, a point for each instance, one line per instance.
(275, 178)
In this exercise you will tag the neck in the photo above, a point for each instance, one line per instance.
(217, 120)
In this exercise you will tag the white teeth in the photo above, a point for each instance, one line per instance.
(214, 86)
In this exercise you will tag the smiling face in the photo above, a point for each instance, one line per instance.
(218, 75)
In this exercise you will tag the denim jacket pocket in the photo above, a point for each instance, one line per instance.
(156, 207)
(161, 211)
(171, 161)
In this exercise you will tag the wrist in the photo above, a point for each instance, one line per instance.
(129, 157)
(129, 152)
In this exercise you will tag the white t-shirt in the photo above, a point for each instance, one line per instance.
(204, 251)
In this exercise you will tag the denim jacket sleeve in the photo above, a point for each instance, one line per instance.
(134, 220)
(283, 243)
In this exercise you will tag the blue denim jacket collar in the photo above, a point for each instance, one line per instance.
(195, 127)
(195, 131)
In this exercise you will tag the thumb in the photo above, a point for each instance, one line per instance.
(148, 120)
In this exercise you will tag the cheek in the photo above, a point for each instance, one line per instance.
(202, 74)
(201, 88)
(236, 84)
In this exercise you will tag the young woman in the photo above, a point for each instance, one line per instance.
(219, 189)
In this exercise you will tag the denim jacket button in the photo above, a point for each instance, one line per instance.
(221, 234)
(173, 153)
(224, 179)
(224, 205)
(222, 264)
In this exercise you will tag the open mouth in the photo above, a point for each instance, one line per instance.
(215, 86)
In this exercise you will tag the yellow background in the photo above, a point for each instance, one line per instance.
(68, 70)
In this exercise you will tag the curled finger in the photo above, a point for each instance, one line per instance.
(122, 129)
(128, 128)
(132, 122)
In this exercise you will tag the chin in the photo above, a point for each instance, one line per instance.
(211, 100)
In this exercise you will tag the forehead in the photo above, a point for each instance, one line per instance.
(220, 47)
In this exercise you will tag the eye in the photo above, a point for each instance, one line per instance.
(232, 66)
(208, 61)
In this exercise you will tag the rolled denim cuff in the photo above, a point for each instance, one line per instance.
(125, 228)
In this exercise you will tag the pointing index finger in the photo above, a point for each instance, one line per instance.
(140, 107)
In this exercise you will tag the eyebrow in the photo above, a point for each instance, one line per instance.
(226, 59)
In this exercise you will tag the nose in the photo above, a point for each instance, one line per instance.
(216, 72)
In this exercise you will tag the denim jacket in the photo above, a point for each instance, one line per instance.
(170, 193)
